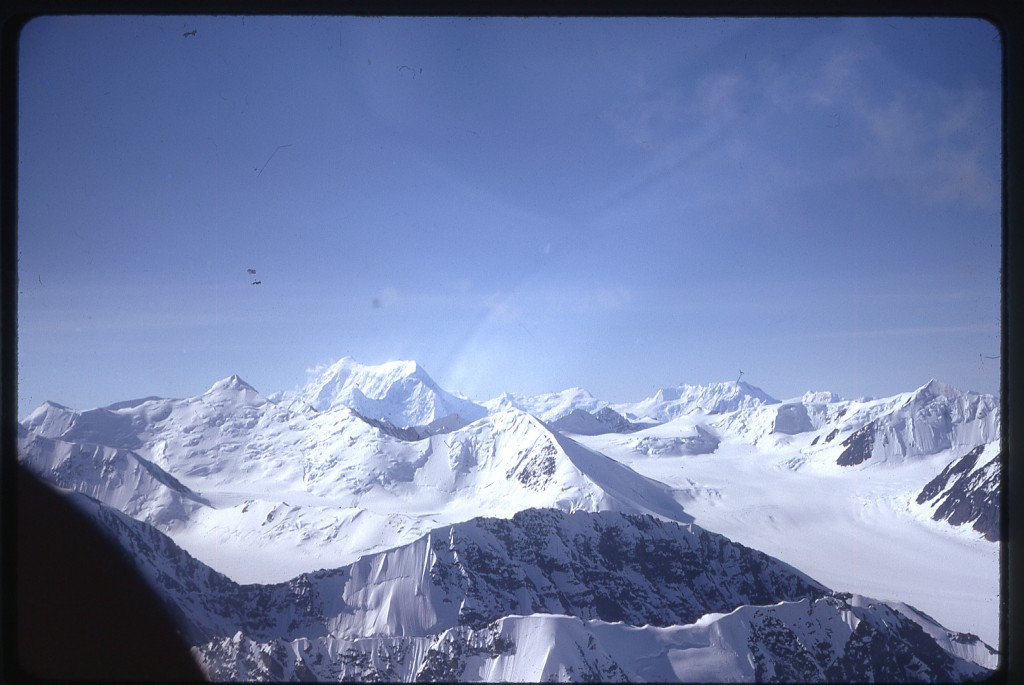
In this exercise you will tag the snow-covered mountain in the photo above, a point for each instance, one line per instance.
(400, 392)
(933, 418)
(230, 434)
(549, 406)
(117, 477)
(309, 489)
(546, 595)
(265, 489)
(750, 644)
(714, 398)
(967, 491)
(605, 420)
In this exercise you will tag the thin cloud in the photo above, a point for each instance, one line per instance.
(835, 80)
(718, 95)
(923, 139)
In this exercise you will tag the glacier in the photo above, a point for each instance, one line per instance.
(367, 460)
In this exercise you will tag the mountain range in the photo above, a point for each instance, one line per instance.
(559, 515)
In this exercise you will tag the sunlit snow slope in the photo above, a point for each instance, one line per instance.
(863, 495)
(305, 489)
(775, 476)
(546, 595)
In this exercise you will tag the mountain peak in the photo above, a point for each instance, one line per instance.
(401, 392)
(50, 419)
(713, 398)
(55, 405)
(935, 417)
(512, 418)
(742, 387)
(935, 388)
(820, 397)
(232, 383)
(548, 406)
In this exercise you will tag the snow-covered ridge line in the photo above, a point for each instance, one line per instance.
(566, 594)
(322, 487)
(714, 398)
(400, 392)
(117, 477)
(265, 490)
(751, 644)
(404, 395)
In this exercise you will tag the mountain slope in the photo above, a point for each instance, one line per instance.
(400, 392)
(307, 489)
(265, 490)
(217, 437)
(548, 406)
(715, 398)
(603, 565)
(967, 491)
(605, 420)
(855, 527)
(544, 595)
(838, 638)
(117, 477)
(933, 418)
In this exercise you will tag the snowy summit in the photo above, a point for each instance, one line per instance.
(400, 392)
(400, 531)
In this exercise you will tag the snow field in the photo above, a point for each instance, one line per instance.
(855, 528)
(292, 489)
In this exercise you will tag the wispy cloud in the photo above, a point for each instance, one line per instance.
(654, 115)
(718, 94)
(930, 142)
(643, 118)
(833, 82)
(926, 140)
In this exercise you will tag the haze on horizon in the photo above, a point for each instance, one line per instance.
(519, 205)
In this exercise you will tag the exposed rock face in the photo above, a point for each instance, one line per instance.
(966, 492)
(858, 446)
(617, 422)
(933, 418)
(628, 568)
(545, 595)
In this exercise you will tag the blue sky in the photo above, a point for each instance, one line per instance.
(518, 204)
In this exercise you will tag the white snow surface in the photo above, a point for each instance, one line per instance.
(307, 490)
(264, 491)
(714, 398)
(549, 406)
(399, 391)
(855, 528)
(561, 648)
